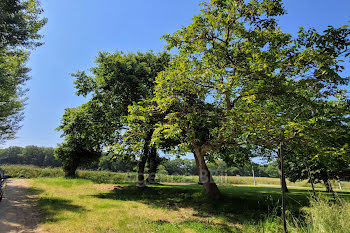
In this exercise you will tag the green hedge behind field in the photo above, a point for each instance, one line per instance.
(24, 171)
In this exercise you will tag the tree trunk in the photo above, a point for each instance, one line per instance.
(205, 177)
(71, 169)
(311, 180)
(283, 179)
(142, 162)
(153, 165)
(141, 171)
(328, 185)
(197, 164)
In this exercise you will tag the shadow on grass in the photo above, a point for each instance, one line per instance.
(239, 205)
(51, 207)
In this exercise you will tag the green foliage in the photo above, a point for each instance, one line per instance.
(82, 144)
(20, 23)
(13, 74)
(180, 166)
(117, 81)
(21, 171)
(108, 163)
(238, 79)
(73, 153)
(29, 155)
(322, 152)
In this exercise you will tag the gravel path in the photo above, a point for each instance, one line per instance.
(17, 211)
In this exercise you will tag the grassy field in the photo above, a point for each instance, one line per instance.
(80, 205)
(19, 171)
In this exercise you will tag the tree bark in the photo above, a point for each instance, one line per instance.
(311, 180)
(153, 165)
(211, 189)
(197, 165)
(328, 185)
(142, 162)
(141, 172)
(283, 179)
(70, 170)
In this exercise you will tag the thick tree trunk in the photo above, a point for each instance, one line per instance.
(141, 171)
(283, 179)
(197, 164)
(205, 177)
(153, 165)
(142, 162)
(70, 170)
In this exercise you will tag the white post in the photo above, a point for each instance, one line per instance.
(340, 187)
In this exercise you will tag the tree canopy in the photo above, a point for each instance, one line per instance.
(238, 79)
(117, 81)
(20, 23)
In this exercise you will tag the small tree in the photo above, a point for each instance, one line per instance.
(81, 145)
(322, 153)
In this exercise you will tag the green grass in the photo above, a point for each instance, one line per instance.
(80, 205)
(22, 171)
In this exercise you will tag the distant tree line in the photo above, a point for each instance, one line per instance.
(188, 167)
(29, 155)
(44, 157)
(180, 166)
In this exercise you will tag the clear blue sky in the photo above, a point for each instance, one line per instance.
(78, 29)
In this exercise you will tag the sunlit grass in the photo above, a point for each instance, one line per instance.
(20, 171)
(80, 205)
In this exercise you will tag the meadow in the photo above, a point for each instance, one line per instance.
(88, 204)
(25, 171)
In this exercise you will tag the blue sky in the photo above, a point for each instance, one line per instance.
(78, 29)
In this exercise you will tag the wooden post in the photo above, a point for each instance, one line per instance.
(340, 187)
(312, 181)
(253, 176)
(282, 190)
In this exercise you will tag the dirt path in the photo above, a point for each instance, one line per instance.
(17, 211)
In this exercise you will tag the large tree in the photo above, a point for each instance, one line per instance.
(20, 23)
(235, 77)
(117, 81)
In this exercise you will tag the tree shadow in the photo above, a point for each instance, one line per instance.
(51, 207)
(22, 209)
(239, 204)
